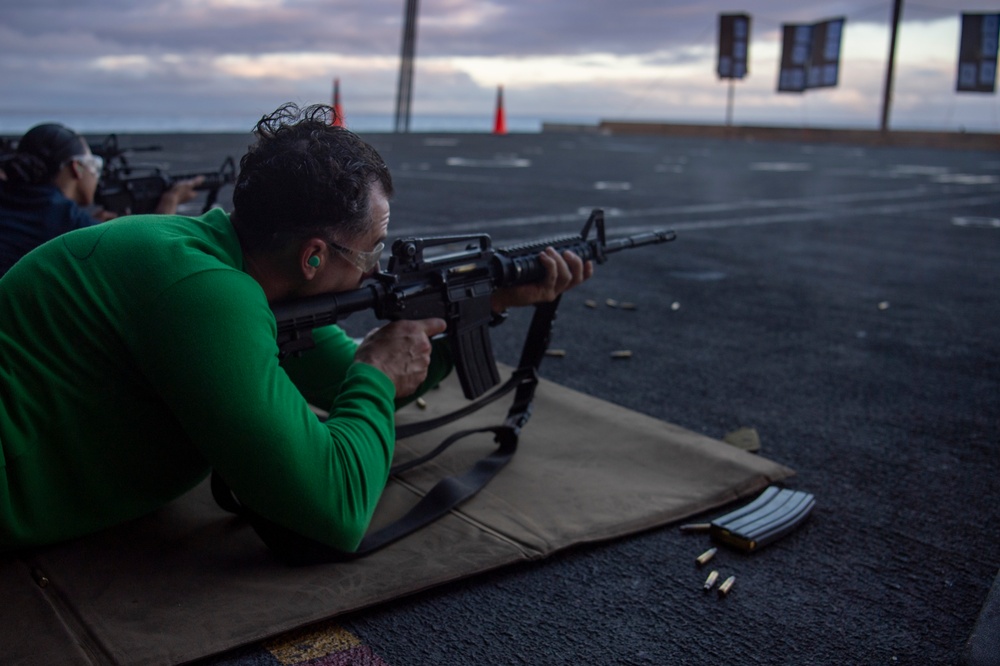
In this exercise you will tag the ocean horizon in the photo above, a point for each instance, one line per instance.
(16, 124)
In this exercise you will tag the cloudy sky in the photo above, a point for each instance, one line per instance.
(118, 65)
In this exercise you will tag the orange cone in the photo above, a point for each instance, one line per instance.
(338, 113)
(500, 123)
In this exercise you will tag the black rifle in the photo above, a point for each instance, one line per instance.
(454, 286)
(136, 188)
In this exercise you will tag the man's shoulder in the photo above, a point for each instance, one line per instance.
(209, 238)
(149, 254)
(34, 200)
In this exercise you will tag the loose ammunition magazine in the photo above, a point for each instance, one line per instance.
(775, 513)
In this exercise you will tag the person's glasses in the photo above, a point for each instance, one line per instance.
(365, 262)
(93, 163)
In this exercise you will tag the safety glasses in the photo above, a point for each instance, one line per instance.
(93, 163)
(366, 262)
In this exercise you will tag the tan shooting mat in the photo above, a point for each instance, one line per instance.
(191, 580)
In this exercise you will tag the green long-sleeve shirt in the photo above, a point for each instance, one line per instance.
(137, 355)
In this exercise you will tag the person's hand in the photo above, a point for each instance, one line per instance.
(562, 273)
(402, 350)
(180, 192)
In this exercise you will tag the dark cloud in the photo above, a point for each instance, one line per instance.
(362, 28)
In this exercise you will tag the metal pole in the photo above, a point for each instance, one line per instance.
(404, 91)
(729, 104)
(897, 9)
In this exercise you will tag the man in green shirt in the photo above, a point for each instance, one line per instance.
(138, 355)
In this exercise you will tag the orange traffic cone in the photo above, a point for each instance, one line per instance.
(338, 113)
(500, 123)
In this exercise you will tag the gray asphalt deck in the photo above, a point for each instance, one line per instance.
(842, 301)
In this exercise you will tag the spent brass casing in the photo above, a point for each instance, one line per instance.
(706, 556)
(710, 581)
(695, 527)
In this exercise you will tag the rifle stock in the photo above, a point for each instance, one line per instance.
(452, 285)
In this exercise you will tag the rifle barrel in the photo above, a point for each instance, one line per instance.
(648, 238)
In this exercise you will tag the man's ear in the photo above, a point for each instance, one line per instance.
(69, 180)
(313, 256)
(75, 169)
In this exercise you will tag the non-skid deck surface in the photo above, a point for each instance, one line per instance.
(190, 580)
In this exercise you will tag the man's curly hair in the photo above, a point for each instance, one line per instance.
(305, 176)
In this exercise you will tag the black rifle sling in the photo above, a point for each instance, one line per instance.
(447, 493)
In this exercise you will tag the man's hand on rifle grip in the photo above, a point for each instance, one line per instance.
(401, 350)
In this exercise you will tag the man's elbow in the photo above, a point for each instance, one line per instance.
(345, 529)
(349, 535)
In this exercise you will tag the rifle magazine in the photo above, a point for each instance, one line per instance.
(775, 513)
